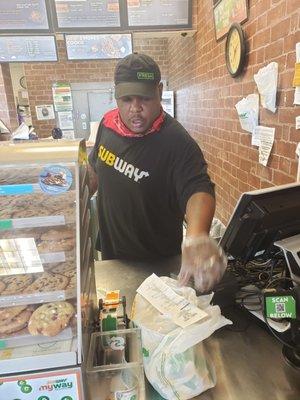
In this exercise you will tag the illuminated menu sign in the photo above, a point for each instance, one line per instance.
(23, 15)
(87, 13)
(95, 47)
(27, 48)
(158, 12)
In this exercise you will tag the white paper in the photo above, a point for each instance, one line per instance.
(298, 52)
(68, 134)
(166, 301)
(22, 132)
(266, 138)
(255, 139)
(3, 127)
(45, 112)
(298, 122)
(297, 95)
(65, 120)
(298, 154)
(266, 81)
(94, 125)
(247, 110)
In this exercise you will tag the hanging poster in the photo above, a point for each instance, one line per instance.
(65, 120)
(62, 97)
(45, 112)
(228, 11)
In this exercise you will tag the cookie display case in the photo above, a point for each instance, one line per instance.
(47, 284)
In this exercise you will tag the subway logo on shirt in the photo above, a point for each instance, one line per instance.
(120, 165)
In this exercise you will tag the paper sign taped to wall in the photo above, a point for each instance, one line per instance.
(266, 81)
(44, 112)
(266, 140)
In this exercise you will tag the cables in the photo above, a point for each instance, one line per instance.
(255, 276)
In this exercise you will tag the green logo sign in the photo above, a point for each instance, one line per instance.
(145, 352)
(22, 383)
(67, 398)
(280, 307)
(26, 389)
(43, 398)
(147, 76)
(5, 224)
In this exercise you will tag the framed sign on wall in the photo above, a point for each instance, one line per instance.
(226, 12)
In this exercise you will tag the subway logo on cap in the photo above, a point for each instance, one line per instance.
(149, 76)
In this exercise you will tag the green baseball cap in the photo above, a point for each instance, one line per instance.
(136, 75)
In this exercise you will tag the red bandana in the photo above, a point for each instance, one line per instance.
(112, 120)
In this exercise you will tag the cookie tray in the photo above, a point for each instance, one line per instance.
(27, 340)
(36, 298)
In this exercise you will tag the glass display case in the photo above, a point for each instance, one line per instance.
(47, 284)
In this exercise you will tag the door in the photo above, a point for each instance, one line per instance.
(90, 102)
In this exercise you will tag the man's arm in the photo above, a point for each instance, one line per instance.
(93, 180)
(200, 210)
(202, 259)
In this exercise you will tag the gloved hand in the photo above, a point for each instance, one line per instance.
(203, 260)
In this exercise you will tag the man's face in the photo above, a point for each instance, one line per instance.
(138, 113)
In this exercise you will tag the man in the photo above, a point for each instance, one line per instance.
(150, 175)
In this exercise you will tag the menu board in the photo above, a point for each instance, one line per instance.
(159, 13)
(87, 13)
(23, 15)
(98, 46)
(27, 48)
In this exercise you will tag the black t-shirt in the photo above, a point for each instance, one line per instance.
(144, 184)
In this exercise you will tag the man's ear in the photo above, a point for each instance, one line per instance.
(160, 88)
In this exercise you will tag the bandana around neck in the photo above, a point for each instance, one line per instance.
(112, 120)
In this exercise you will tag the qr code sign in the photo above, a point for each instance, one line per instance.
(280, 307)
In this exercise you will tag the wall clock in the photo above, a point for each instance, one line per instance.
(235, 50)
(23, 82)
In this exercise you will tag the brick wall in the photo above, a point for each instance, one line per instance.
(40, 76)
(206, 95)
(8, 112)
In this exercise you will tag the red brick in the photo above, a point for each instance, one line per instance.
(291, 6)
(281, 178)
(284, 165)
(294, 168)
(261, 38)
(291, 60)
(275, 14)
(274, 50)
(287, 115)
(286, 79)
(294, 134)
(286, 149)
(254, 181)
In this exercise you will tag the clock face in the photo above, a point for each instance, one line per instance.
(235, 50)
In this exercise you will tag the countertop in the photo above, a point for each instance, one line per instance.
(248, 360)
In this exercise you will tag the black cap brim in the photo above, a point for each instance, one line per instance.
(142, 89)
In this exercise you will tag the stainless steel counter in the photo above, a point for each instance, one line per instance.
(248, 360)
